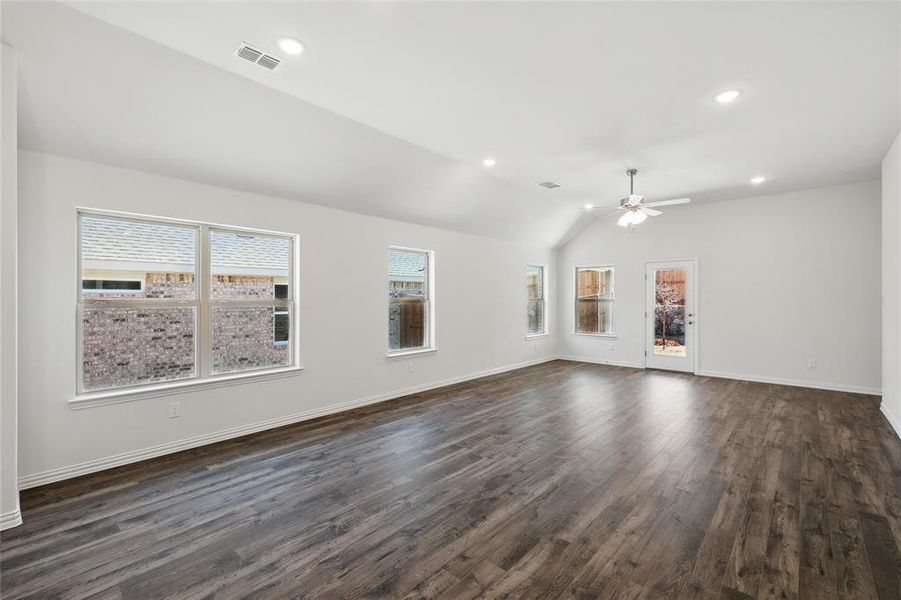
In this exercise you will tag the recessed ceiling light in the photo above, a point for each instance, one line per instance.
(290, 46)
(588, 206)
(758, 180)
(727, 97)
(488, 162)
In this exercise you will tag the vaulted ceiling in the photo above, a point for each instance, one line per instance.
(392, 107)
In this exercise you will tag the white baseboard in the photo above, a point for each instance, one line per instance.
(601, 361)
(53, 475)
(835, 387)
(10, 519)
(892, 419)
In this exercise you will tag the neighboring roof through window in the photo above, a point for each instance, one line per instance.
(163, 247)
(406, 265)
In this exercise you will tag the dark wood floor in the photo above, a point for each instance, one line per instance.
(562, 479)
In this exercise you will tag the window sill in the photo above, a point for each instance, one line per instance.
(106, 397)
(532, 336)
(597, 335)
(401, 353)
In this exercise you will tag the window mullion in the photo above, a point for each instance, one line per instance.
(204, 334)
(138, 303)
(249, 302)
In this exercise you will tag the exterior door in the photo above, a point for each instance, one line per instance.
(670, 315)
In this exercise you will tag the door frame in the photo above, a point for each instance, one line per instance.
(696, 303)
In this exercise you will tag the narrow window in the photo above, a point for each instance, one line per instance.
(410, 303)
(145, 318)
(594, 300)
(535, 308)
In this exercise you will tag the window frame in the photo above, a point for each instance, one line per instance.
(431, 344)
(202, 303)
(544, 289)
(611, 301)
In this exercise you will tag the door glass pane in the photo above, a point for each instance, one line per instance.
(669, 312)
(128, 260)
(133, 346)
(250, 337)
(248, 265)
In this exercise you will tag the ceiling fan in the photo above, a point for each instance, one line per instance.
(634, 210)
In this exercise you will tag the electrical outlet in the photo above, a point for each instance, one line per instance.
(811, 363)
(410, 367)
(174, 410)
(612, 346)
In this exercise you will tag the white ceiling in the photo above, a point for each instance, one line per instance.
(568, 92)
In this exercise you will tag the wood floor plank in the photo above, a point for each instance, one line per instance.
(749, 551)
(558, 480)
(817, 575)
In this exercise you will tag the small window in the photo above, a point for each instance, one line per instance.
(410, 302)
(535, 306)
(282, 326)
(594, 300)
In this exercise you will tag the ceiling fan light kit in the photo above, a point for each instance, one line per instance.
(634, 210)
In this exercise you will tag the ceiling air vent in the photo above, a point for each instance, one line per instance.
(248, 52)
(549, 185)
(270, 62)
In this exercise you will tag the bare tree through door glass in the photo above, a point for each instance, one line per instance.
(669, 313)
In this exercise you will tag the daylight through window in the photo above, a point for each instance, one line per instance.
(594, 300)
(536, 307)
(145, 317)
(410, 305)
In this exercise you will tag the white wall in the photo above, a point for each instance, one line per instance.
(891, 294)
(9, 494)
(787, 277)
(481, 316)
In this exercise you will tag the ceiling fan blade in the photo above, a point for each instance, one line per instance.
(650, 211)
(610, 214)
(668, 202)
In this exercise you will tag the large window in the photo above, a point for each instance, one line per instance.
(535, 307)
(410, 302)
(147, 316)
(594, 300)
